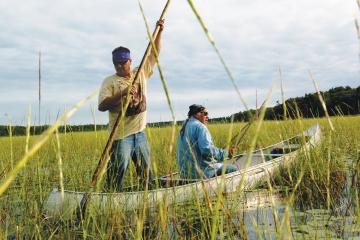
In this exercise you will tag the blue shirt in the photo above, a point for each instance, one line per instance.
(196, 148)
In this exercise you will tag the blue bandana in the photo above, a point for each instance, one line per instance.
(120, 56)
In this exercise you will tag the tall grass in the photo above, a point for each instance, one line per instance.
(317, 181)
(40, 141)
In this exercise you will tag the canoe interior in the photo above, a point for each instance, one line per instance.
(257, 157)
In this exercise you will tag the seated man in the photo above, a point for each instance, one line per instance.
(196, 154)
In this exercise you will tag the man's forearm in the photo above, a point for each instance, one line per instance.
(112, 102)
(157, 43)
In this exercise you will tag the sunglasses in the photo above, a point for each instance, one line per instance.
(121, 62)
(204, 113)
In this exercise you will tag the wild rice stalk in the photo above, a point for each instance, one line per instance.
(322, 101)
(65, 122)
(290, 199)
(355, 184)
(273, 204)
(38, 231)
(38, 172)
(230, 137)
(256, 227)
(58, 155)
(163, 80)
(11, 146)
(218, 206)
(328, 159)
(39, 88)
(254, 138)
(301, 126)
(211, 40)
(357, 28)
(165, 87)
(283, 95)
(40, 142)
(257, 110)
(94, 118)
(27, 131)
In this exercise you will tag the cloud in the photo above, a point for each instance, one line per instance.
(255, 38)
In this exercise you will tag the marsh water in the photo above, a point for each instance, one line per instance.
(262, 215)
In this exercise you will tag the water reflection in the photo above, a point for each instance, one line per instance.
(266, 216)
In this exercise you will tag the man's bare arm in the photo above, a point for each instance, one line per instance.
(114, 101)
(157, 42)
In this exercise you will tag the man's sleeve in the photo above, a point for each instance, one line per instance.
(207, 147)
(147, 70)
(106, 90)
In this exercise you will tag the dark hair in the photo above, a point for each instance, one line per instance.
(193, 109)
(119, 49)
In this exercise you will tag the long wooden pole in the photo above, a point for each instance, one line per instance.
(106, 152)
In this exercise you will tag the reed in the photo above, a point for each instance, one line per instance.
(39, 88)
(43, 138)
(162, 78)
(283, 95)
(222, 60)
(313, 177)
(322, 101)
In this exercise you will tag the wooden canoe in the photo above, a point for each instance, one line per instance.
(263, 162)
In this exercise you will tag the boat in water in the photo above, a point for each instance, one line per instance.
(172, 189)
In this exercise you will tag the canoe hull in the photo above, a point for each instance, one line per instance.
(64, 204)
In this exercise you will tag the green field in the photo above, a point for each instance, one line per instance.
(315, 182)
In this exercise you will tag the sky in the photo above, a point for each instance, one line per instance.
(256, 38)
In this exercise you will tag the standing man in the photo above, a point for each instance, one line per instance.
(196, 154)
(130, 139)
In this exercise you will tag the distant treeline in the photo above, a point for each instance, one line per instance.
(339, 101)
(35, 130)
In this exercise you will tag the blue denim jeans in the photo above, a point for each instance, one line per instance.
(135, 147)
(210, 173)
